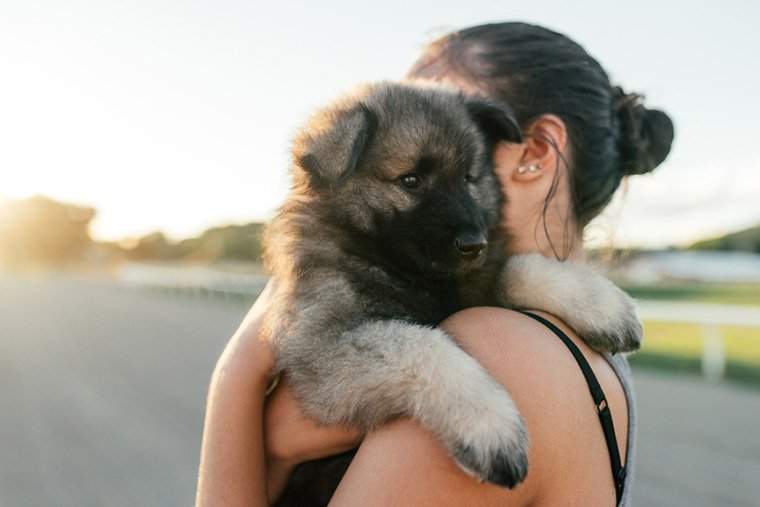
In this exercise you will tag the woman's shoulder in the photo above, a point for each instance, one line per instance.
(525, 352)
(568, 455)
(548, 386)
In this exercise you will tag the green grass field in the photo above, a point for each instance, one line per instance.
(677, 347)
(733, 294)
(742, 344)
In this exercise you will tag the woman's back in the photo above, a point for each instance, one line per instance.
(402, 464)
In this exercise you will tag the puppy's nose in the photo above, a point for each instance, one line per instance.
(470, 245)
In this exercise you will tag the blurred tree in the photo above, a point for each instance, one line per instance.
(234, 242)
(154, 246)
(231, 242)
(42, 232)
(747, 240)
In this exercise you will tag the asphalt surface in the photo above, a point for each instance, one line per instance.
(102, 390)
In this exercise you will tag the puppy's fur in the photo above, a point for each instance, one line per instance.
(373, 248)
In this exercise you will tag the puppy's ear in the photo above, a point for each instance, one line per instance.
(496, 121)
(332, 144)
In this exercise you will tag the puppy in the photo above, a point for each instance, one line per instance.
(393, 224)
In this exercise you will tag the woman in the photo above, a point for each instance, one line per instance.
(583, 136)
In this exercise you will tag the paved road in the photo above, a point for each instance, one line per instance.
(102, 391)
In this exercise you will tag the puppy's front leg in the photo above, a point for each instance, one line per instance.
(603, 315)
(384, 369)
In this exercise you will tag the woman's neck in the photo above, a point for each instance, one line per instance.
(550, 234)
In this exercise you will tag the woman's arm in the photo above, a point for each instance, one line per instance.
(251, 442)
(403, 464)
(233, 468)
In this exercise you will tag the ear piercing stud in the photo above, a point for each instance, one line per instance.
(532, 168)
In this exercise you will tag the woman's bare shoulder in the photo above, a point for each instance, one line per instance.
(548, 386)
(403, 464)
(524, 353)
(506, 342)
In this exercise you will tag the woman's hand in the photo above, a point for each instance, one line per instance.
(291, 437)
(248, 450)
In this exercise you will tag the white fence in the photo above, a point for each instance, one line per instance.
(200, 280)
(709, 317)
(193, 279)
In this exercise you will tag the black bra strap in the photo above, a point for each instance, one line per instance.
(602, 407)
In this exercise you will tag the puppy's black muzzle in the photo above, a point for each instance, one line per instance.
(469, 246)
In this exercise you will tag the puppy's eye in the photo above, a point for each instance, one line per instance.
(470, 178)
(411, 180)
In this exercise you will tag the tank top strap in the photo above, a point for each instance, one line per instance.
(600, 400)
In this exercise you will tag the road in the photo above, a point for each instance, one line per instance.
(102, 390)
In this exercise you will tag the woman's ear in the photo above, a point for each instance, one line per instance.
(545, 142)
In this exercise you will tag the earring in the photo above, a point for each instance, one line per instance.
(532, 168)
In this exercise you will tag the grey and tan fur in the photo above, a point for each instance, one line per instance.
(393, 223)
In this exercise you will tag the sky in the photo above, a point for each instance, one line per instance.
(178, 115)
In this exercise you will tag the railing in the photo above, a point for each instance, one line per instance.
(203, 281)
(709, 317)
(198, 280)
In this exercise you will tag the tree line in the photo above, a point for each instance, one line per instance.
(42, 232)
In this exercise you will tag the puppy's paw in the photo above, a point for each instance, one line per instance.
(486, 434)
(472, 414)
(595, 308)
(621, 331)
(494, 455)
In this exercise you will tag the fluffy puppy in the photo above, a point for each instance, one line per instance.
(393, 224)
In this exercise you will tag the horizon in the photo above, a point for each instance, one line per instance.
(177, 118)
(130, 241)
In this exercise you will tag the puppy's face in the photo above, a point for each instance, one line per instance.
(408, 170)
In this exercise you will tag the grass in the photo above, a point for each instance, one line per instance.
(686, 340)
(678, 347)
(734, 294)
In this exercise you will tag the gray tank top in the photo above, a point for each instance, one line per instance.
(619, 363)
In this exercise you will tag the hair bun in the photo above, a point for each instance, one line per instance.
(646, 135)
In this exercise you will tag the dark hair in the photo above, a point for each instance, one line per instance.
(537, 71)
